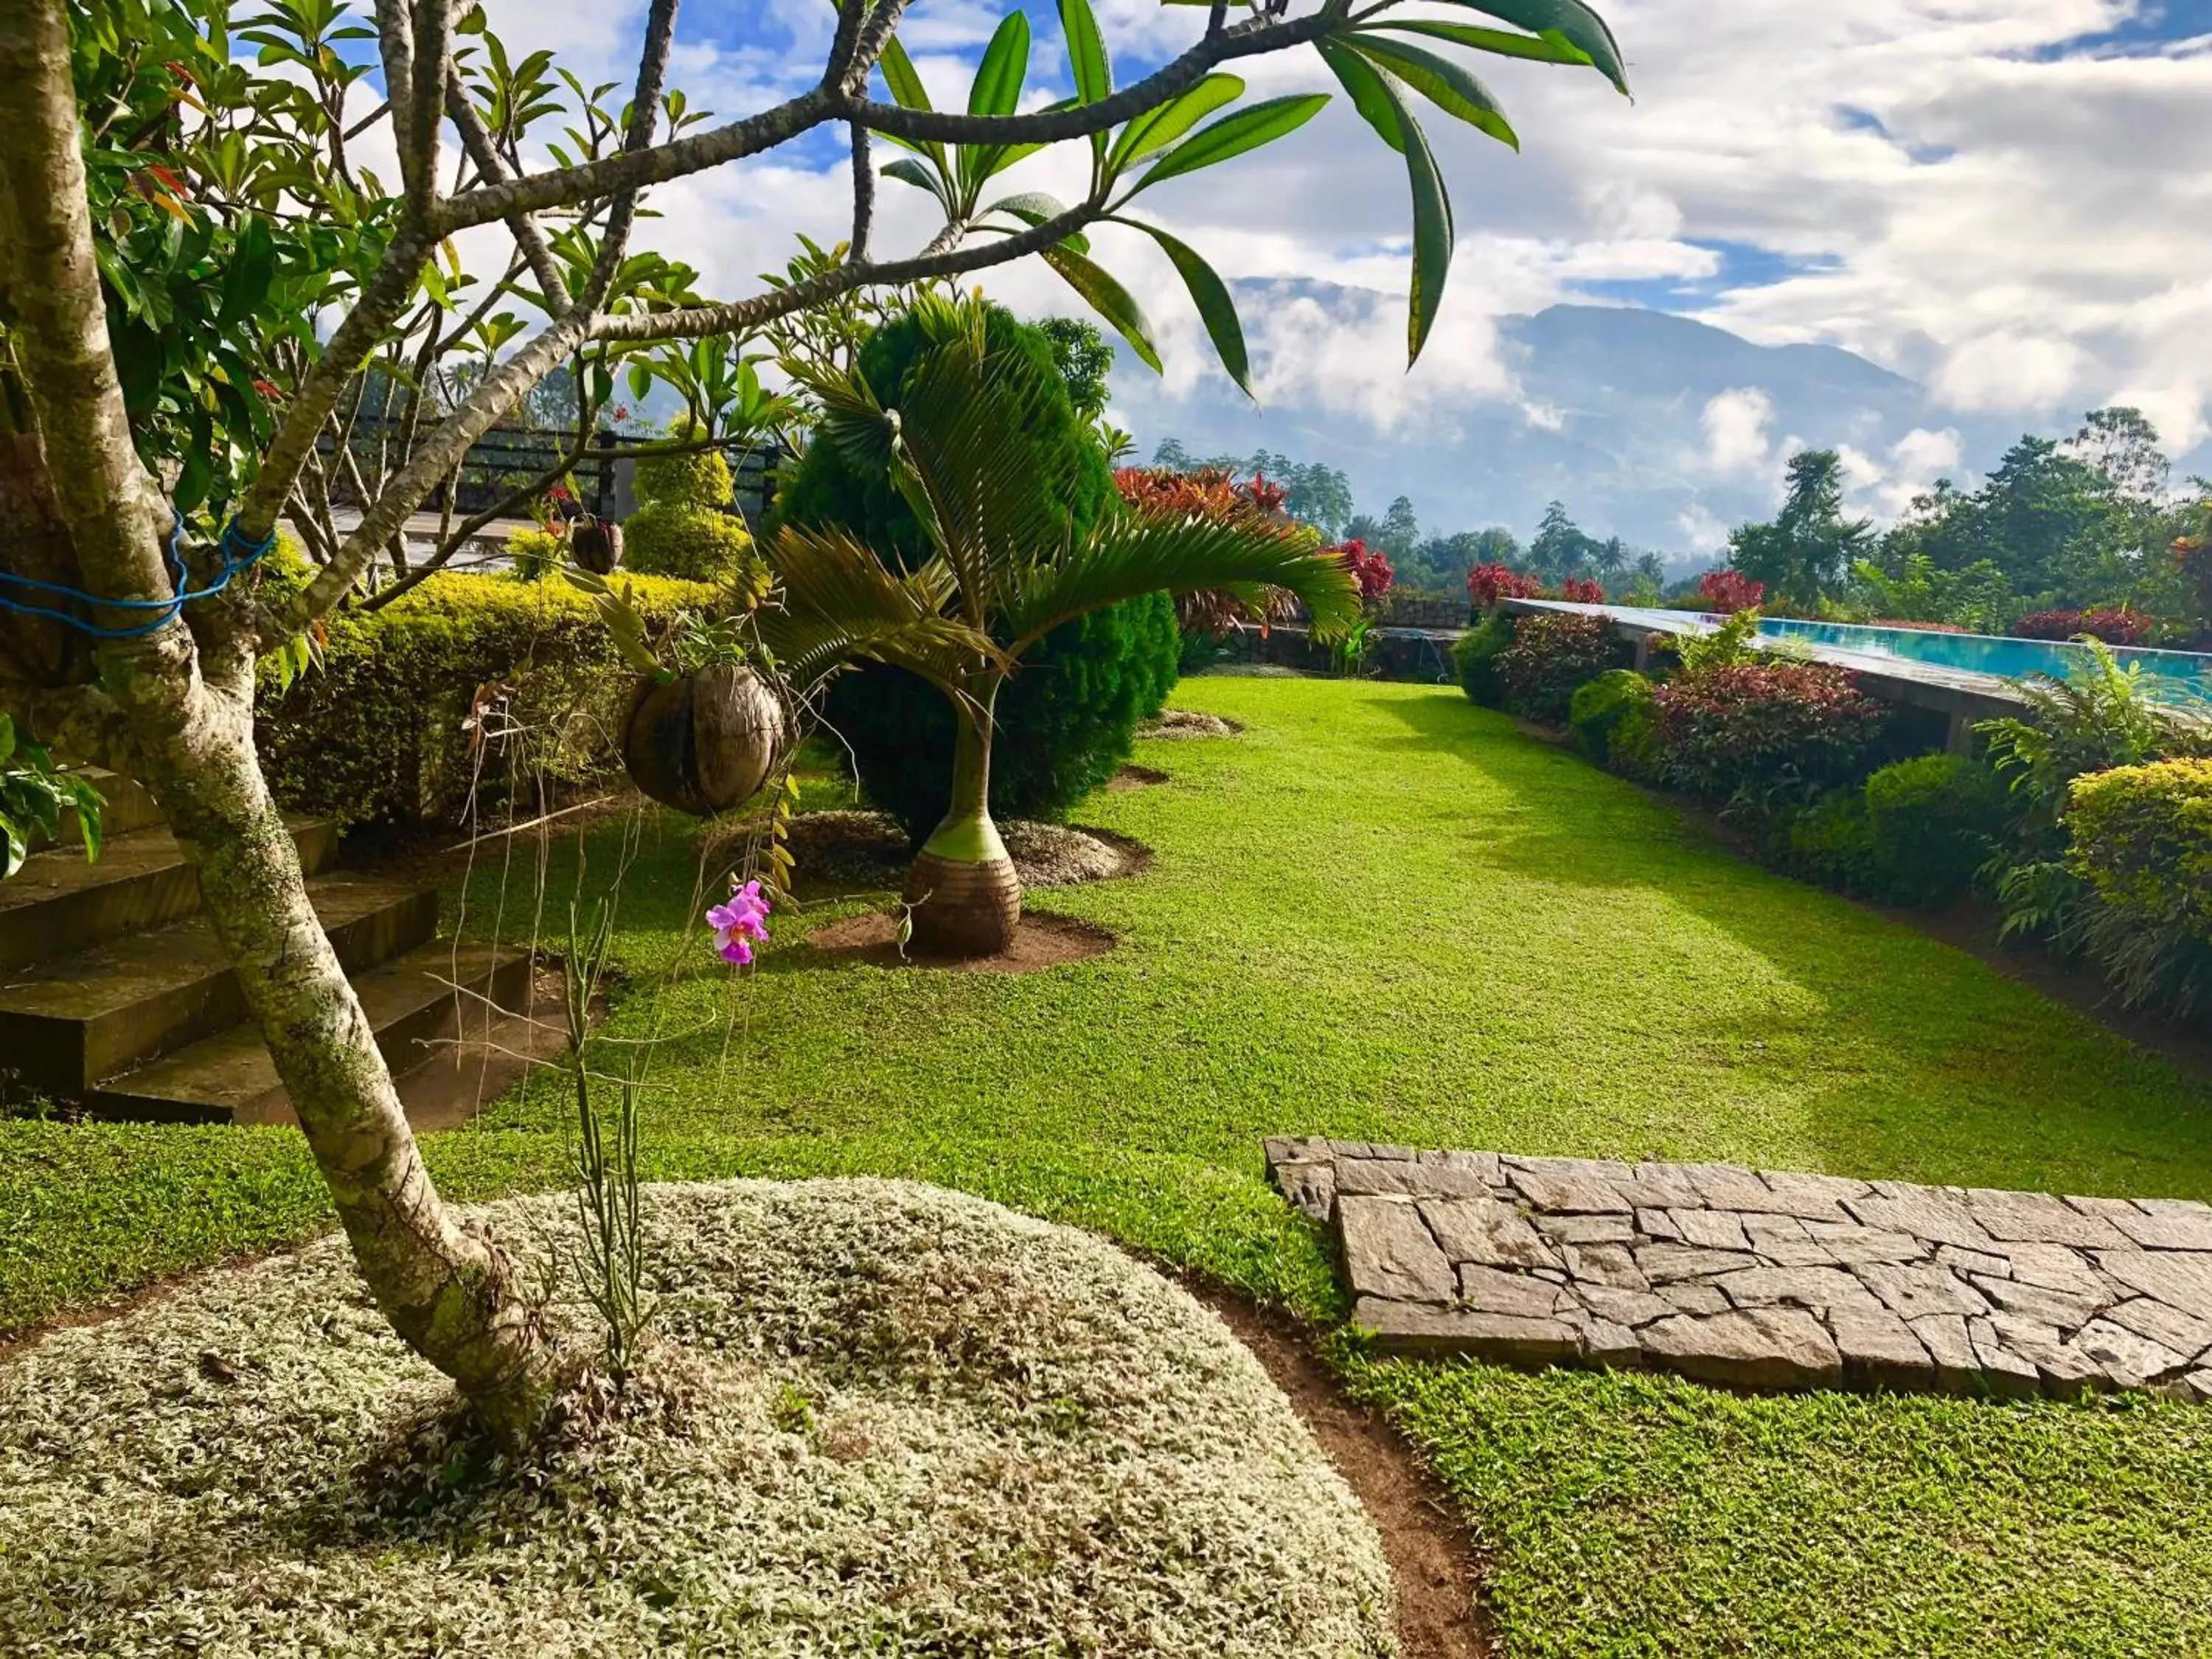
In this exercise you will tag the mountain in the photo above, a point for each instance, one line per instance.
(1656, 428)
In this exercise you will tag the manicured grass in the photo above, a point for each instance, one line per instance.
(1382, 914)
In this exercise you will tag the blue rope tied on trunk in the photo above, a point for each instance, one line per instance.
(234, 544)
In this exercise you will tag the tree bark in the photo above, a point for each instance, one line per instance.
(183, 697)
(965, 893)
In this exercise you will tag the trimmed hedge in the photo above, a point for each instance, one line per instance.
(1475, 654)
(2141, 837)
(1598, 709)
(377, 733)
(1932, 823)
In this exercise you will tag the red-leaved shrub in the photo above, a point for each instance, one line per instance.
(1211, 493)
(1719, 729)
(1371, 570)
(1552, 654)
(1486, 584)
(2114, 624)
(1730, 591)
(1581, 590)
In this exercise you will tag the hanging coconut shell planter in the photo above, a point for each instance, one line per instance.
(703, 742)
(596, 545)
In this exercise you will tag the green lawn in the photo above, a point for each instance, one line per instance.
(1382, 913)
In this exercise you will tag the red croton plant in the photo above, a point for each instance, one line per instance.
(1486, 584)
(1213, 492)
(1729, 591)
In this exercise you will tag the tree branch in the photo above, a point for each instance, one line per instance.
(418, 139)
(864, 196)
(882, 23)
(447, 444)
(635, 170)
(743, 315)
(395, 38)
(477, 141)
(1252, 38)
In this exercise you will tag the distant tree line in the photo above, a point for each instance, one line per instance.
(2084, 523)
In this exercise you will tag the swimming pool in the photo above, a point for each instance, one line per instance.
(2179, 676)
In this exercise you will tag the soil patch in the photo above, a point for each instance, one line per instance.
(1134, 777)
(1039, 942)
(1434, 1567)
(867, 850)
(1179, 724)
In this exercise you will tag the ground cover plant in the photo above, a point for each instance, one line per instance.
(1518, 950)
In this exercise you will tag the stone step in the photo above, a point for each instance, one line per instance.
(60, 903)
(68, 1021)
(410, 1004)
(127, 806)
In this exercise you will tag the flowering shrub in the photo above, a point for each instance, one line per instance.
(1486, 584)
(1370, 570)
(738, 924)
(1719, 729)
(1581, 590)
(2114, 625)
(1730, 591)
(1551, 656)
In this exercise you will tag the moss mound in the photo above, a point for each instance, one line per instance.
(892, 1420)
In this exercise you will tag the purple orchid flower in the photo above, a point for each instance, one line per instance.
(739, 922)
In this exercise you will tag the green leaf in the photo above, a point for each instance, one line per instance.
(1087, 51)
(1156, 129)
(1570, 19)
(1109, 300)
(1035, 207)
(998, 85)
(1550, 47)
(1439, 79)
(1367, 88)
(1233, 135)
(915, 174)
(251, 268)
(1216, 309)
(1087, 63)
(908, 92)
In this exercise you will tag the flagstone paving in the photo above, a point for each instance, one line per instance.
(1761, 1279)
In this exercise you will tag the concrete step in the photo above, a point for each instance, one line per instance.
(59, 904)
(410, 1004)
(68, 1021)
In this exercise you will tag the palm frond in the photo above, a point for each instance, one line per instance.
(1130, 556)
(993, 505)
(840, 602)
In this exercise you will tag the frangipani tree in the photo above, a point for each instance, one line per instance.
(196, 270)
(1007, 568)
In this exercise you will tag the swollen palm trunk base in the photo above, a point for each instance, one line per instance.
(963, 907)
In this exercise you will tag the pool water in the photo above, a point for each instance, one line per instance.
(2180, 677)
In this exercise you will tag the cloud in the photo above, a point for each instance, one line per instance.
(1735, 424)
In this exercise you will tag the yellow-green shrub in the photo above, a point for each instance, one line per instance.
(2142, 836)
(378, 732)
(693, 542)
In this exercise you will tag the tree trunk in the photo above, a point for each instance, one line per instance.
(966, 895)
(449, 1290)
(174, 707)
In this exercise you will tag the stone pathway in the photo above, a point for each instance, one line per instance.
(1762, 1280)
